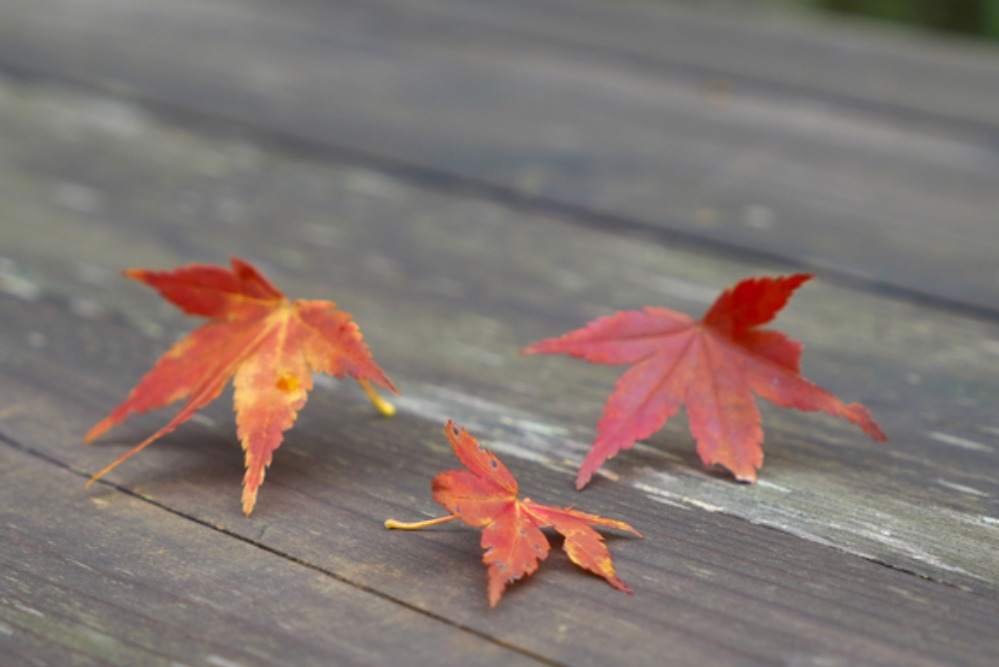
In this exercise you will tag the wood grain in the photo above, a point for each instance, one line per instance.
(106, 578)
(709, 587)
(447, 289)
(846, 552)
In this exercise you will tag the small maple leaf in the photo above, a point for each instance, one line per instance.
(269, 345)
(485, 496)
(713, 366)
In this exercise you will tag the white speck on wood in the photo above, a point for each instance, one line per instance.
(701, 504)
(79, 198)
(956, 441)
(609, 474)
(817, 661)
(36, 339)
(657, 495)
(659, 491)
(28, 610)
(19, 286)
(114, 117)
(961, 488)
(204, 420)
(770, 485)
(759, 217)
(81, 565)
(219, 661)
(86, 307)
(373, 184)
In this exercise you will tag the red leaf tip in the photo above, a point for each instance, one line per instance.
(752, 302)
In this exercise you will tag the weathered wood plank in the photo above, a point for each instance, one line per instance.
(106, 578)
(709, 587)
(488, 93)
(447, 288)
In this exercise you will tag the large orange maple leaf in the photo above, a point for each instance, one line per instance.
(713, 366)
(269, 345)
(485, 496)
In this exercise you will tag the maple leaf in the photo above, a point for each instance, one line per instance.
(713, 366)
(485, 496)
(268, 344)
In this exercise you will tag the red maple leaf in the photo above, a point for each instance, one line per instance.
(713, 366)
(485, 496)
(269, 345)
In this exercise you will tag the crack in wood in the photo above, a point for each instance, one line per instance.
(445, 181)
(11, 442)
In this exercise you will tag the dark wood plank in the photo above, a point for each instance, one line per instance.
(540, 101)
(447, 288)
(106, 578)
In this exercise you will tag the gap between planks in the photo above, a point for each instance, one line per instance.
(445, 181)
(13, 443)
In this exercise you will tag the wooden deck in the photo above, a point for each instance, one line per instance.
(467, 177)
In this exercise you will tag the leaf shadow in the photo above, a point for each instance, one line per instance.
(191, 453)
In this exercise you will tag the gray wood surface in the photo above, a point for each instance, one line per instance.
(108, 578)
(744, 149)
(846, 552)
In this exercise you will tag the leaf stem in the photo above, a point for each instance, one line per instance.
(416, 525)
(383, 406)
